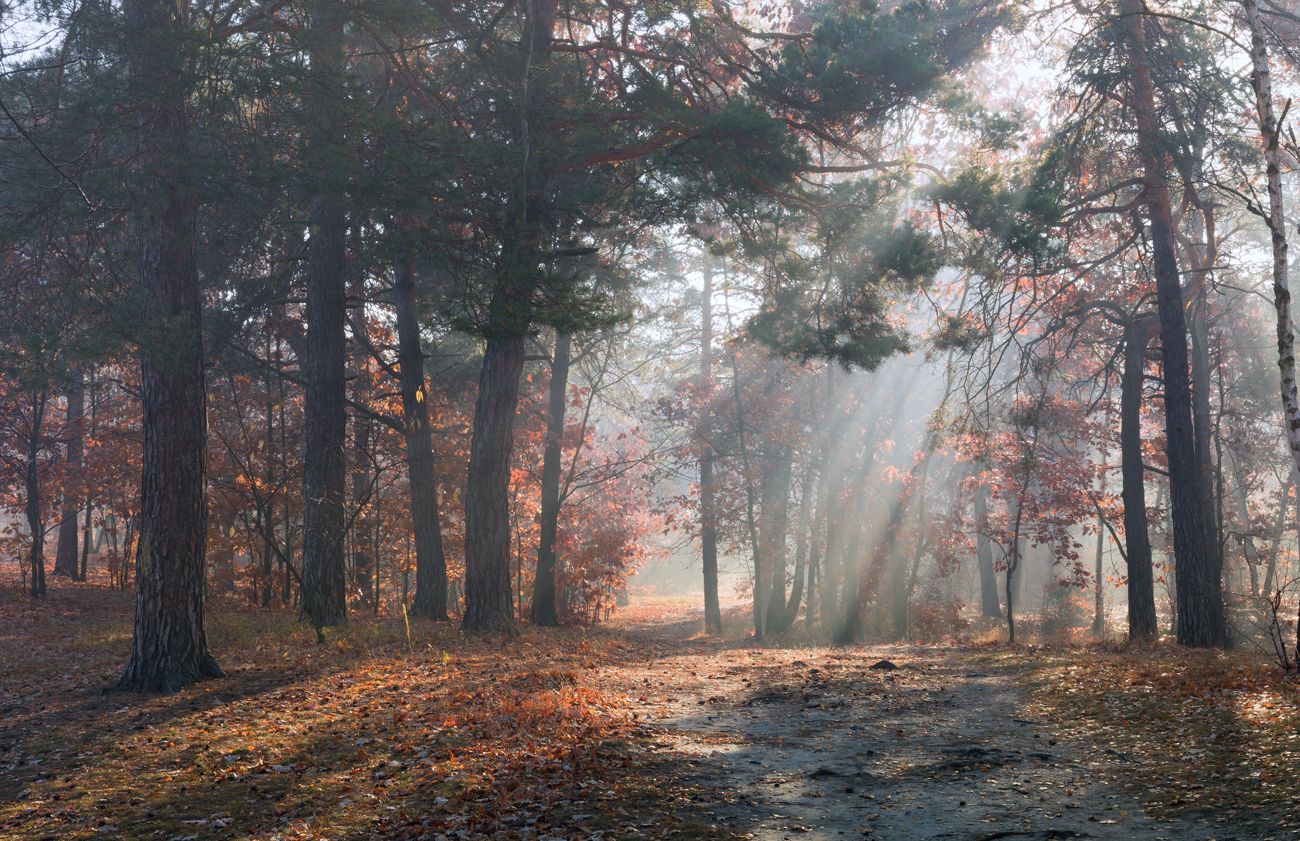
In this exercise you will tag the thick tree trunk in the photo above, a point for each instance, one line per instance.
(421, 469)
(1137, 539)
(544, 584)
(65, 558)
(324, 598)
(708, 515)
(1203, 425)
(169, 647)
(487, 497)
(1200, 597)
(990, 607)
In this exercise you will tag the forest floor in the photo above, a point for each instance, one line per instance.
(643, 729)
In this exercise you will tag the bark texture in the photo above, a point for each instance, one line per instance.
(430, 563)
(169, 647)
(325, 466)
(544, 610)
(1200, 593)
(1137, 538)
(488, 603)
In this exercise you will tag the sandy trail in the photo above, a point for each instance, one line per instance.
(814, 743)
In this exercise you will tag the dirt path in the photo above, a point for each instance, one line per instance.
(814, 743)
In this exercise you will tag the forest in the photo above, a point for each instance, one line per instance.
(601, 419)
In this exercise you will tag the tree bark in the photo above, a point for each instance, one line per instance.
(1137, 538)
(774, 526)
(510, 316)
(487, 497)
(1261, 80)
(990, 607)
(544, 584)
(169, 647)
(324, 599)
(365, 579)
(421, 469)
(708, 516)
(1200, 597)
(65, 558)
(32, 490)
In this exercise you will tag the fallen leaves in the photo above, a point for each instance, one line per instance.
(373, 735)
(1188, 731)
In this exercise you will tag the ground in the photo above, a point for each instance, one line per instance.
(642, 729)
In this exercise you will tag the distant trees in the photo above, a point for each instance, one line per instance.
(573, 270)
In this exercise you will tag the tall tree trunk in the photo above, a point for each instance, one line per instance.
(324, 597)
(364, 562)
(900, 589)
(1261, 80)
(421, 469)
(65, 558)
(751, 521)
(774, 526)
(169, 647)
(1099, 593)
(487, 497)
(1200, 597)
(990, 608)
(1137, 538)
(704, 434)
(32, 490)
(544, 584)
(1203, 425)
(510, 315)
(803, 526)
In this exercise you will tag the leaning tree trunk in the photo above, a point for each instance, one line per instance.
(324, 517)
(1200, 592)
(1137, 539)
(65, 558)
(421, 470)
(169, 647)
(1261, 79)
(487, 496)
(544, 584)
